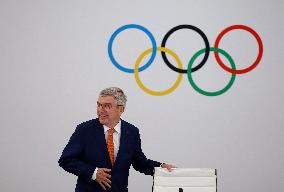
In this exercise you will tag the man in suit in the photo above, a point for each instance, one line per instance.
(101, 151)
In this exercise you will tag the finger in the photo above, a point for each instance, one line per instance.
(172, 167)
(107, 180)
(107, 175)
(169, 169)
(104, 188)
(106, 184)
(106, 169)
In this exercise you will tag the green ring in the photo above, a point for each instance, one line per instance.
(228, 86)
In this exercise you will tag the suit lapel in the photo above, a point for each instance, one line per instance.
(123, 143)
(103, 144)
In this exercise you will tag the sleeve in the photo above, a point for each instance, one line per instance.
(140, 162)
(94, 176)
(71, 160)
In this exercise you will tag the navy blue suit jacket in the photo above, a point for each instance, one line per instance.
(87, 150)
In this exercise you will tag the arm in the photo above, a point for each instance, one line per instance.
(140, 162)
(71, 158)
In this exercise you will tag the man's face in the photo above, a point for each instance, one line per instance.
(108, 111)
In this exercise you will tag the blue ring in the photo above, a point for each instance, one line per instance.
(148, 33)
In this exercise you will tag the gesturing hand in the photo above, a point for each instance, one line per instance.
(103, 178)
(169, 167)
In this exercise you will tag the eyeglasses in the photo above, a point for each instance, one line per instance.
(106, 106)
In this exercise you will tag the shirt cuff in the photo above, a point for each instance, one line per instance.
(95, 174)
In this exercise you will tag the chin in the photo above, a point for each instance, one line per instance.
(103, 121)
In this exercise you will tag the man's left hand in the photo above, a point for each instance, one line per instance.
(169, 167)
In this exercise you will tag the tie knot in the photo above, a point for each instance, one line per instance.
(111, 130)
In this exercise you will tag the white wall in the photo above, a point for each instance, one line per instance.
(54, 61)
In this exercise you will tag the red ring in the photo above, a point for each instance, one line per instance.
(260, 49)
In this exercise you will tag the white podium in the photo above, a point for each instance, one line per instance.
(185, 180)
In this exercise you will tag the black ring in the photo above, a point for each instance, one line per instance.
(207, 48)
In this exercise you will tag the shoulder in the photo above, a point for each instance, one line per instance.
(130, 127)
(92, 124)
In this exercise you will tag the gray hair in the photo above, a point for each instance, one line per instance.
(116, 93)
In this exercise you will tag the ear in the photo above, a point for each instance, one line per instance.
(121, 109)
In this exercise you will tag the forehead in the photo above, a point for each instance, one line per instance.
(106, 99)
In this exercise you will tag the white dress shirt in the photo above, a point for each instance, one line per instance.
(116, 142)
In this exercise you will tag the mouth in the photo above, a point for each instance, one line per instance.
(103, 116)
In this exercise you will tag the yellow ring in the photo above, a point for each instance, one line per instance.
(157, 93)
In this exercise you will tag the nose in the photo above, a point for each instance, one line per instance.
(101, 109)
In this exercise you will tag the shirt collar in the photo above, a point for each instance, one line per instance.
(117, 128)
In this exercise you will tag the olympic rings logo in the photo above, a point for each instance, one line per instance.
(190, 69)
